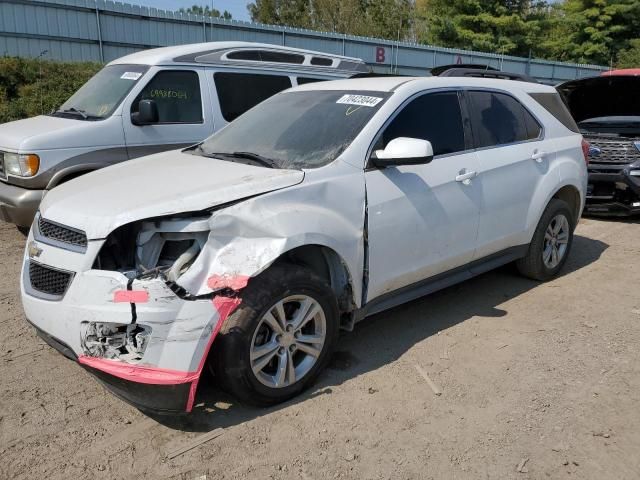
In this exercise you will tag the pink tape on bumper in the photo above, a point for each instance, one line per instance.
(131, 296)
(138, 373)
(238, 282)
(225, 307)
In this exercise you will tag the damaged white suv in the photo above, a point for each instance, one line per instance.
(324, 204)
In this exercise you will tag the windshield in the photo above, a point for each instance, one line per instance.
(306, 129)
(99, 97)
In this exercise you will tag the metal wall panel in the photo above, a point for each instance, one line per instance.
(95, 30)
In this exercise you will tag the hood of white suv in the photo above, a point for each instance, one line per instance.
(158, 185)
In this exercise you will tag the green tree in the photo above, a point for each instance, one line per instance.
(592, 31)
(505, 26)
(31, 87)
(206, 11)
(293, 13)
(630, 57)
(376, 18)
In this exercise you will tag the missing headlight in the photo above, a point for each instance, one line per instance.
(164, 247)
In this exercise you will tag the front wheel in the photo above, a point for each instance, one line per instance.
(551, 243)
(279, 338)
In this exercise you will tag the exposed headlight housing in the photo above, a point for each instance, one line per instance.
(21, 165)
(164, 247)
(170, 246)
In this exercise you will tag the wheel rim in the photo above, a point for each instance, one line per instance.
(556, 241)
(288, 341)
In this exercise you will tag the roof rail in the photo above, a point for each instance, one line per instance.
(474, 72)
(275, 55)
(437, 71)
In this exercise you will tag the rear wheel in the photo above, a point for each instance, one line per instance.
(551, 243)
(279, 338)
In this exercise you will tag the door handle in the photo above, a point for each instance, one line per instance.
(465, 177)
(538, 156)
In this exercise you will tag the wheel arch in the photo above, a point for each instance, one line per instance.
(329, 265)
(70, 173)
(571, 196)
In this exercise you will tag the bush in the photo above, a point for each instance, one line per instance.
(31, 87)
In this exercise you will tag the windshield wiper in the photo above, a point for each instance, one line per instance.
(264, 161)
(74, 111)
(267, 162)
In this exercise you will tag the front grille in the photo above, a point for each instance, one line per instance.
(3, 174)
(61, 234)
(48, 280)
(614, 151)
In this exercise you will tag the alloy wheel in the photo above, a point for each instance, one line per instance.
(556, 240)
(288, 341)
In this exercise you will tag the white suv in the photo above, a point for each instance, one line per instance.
(324, 204)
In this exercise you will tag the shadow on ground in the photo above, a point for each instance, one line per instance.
(383, 338)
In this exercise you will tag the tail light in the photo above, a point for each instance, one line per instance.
(585, 151)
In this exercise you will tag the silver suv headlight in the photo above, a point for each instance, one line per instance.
(21, 165)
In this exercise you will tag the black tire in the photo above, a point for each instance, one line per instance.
(532, 265)
(230, 358)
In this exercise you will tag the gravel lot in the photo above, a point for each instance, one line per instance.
(538, 381)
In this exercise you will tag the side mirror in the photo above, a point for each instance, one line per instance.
(403, 151)
(147, 113)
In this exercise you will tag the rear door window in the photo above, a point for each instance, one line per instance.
(499, 119)
(239, 92)
(435, 117)
(177, 95)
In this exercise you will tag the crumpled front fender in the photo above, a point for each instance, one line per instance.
(248, 237)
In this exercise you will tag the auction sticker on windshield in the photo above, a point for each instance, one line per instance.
(361, 100)
(131, 75)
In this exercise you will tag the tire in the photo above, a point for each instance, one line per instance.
(534, 265)
(246, 330)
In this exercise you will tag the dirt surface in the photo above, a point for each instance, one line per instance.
(537, 381)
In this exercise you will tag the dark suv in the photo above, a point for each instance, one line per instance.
(607, 110)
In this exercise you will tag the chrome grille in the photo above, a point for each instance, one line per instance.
(49, 280)
(61, 234)
(614, 151)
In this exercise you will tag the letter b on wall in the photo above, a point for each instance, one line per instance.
(379, 54)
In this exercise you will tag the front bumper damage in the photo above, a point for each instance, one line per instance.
(140, 339)
(613, 189)
(179, 299)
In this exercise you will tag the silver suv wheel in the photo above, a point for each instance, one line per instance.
(288, 341)
(556, 239)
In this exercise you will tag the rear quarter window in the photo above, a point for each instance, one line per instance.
(553, 104)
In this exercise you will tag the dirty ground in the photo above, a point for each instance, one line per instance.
(535, 381)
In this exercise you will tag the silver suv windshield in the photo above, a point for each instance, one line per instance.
(99, 97)
(295, 130)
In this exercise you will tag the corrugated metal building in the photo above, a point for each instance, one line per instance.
(99, 30)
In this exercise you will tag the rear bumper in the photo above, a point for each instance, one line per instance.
(19, 205)
(613, 190)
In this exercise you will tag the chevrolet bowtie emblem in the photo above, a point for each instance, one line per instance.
(33, 249)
